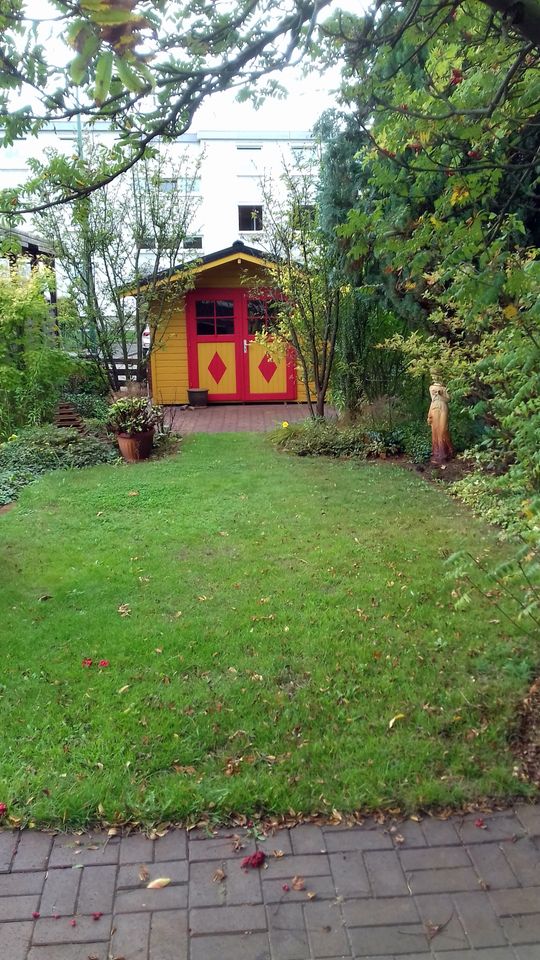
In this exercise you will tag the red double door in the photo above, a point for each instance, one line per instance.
(223, 355)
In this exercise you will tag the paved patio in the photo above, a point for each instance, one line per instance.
(235, 417)
(457, 889)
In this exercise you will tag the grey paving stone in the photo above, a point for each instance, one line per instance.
(241, 886)
(203, 892)
(33, 850)
(8, 845)
(358, 838)
(325, 929)
(173, 846)
(136, 849)
(287, 931)
(350, 874)
(206, 920)
(128, 874)
(434, 858)
(97, 889)
(308, 838)
(280, 840)
(443, 881)
(15, 939)
(86, 930)
(441, 922)
(60, 892)
(253, 946)
(17, 884)
(71, 951)
(526, 952)
(493, 953)
(492, 865)
(385, 874)
(522, 929)
(529, 816)
(496, 828)
(524, 858)
(400, 940)
(169, 935)
(18, 908)
(131, 937)
(510, 902)
(309, 865)
(439, 833)
(88, 849)
(374, 913)
(273, 891)
(479, 919)
(411, 831)
(219, 848)
(168, 898)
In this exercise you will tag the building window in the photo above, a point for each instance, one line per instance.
(250, 218)
(192, 243)
(190, 184)
(167, 185)
(248, 146)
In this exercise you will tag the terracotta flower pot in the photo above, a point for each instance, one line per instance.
(135, 446)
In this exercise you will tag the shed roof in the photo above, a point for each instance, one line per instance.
(237, 251)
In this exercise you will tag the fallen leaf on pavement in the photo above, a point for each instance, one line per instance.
(298, 883)
(159, 883)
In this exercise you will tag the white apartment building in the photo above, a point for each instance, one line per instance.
(231, 167)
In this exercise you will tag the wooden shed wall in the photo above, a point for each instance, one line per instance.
(169, 359)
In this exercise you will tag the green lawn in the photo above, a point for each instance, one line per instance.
(278, 613)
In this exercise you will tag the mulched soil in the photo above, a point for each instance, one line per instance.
(6, 507)
(432, 472)
(527, 742)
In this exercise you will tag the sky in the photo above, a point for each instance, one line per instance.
(306, 100)
(308, 96)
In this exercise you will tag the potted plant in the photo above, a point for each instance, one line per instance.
(134, 421)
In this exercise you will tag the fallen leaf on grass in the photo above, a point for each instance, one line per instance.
(46, 596)
(124, 610)
(124, 688)
(298, 883)
(133, 493)
(219, 876)
(398, 716)
(159, 883)
(144, 876)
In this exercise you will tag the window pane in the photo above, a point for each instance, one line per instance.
(225, 326)
(224, 308)
(256, 316)
(204, 308)
(205, 328)
(250, 218)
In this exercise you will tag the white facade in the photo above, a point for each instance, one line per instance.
(232, 165)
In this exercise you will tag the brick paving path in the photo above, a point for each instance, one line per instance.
(451, 890)
(235, 417)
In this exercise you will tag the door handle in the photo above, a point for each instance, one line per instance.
(245, 346)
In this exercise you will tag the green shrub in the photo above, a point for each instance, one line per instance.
(90, 406)
(39, 450)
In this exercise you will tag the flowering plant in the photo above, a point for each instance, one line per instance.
(133, 415)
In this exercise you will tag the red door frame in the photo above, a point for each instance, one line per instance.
(214, 293)
(241, 338)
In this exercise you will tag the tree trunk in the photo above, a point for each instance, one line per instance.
(524, 16)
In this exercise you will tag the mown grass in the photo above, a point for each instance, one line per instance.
(278, 613)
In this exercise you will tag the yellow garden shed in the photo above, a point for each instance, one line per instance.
(208, 338)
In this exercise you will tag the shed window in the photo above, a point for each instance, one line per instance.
(215, 318)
